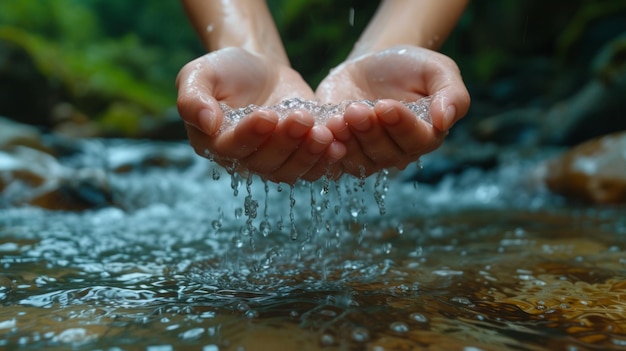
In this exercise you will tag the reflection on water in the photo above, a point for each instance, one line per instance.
(479, 262)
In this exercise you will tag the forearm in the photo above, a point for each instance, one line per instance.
(247, 24)
(424, 23)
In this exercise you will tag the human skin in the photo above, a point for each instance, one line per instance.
(393, 61)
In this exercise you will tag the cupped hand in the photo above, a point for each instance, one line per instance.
(389, 134)
(279, 149)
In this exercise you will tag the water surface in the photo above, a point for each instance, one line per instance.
(191, 258)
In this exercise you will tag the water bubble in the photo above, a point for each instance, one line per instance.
(418, 317)
(192, 334)
(461, 300)
(251, 314)
(360, 334)
(327, 340)
(399, 327)
(74, 335)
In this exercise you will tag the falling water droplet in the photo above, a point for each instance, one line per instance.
(216, 224)
(250, 206)
(265, 228)
(234, 183)
(380, 191)
(293, 233)
(216, 174)
(400, 229)
(238, 212)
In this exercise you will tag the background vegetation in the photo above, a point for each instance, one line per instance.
(114, 62)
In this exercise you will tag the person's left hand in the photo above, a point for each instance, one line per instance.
(389, 134)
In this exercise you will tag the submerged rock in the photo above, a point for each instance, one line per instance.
(594, 171)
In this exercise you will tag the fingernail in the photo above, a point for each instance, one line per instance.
(264, 125)
(390, 116)
(362, 125)
(448, 117)
(298, 129)
(207, 121)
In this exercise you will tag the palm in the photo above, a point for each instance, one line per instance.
(389, 135)
(281, 150)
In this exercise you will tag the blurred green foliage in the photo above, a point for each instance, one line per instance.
(116, 59)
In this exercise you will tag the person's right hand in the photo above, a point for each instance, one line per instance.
(280, 150)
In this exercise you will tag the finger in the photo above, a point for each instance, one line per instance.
(451, 100)
(372, 137)
(408, 132)
(196, 104)
(328, 164)
(305, 157)
(287, 137)
(354, 161)
(247, 136)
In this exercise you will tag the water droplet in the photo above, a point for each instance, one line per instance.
(399, 327)
(328, 313)
(265, 228)
(238, 212)
(250, 206)
(418, 317)
(192, 334)
(327, 340)
(387, 248)
(238, 243)
(251, 314)
(351, 17)
(293, 233)
(360, 334)
(216, 224)
(400, 229)
(216, 174)
(461, 300)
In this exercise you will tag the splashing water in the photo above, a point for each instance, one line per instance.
(321, 112)
(374, 264)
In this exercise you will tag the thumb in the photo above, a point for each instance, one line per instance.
(196, 103)
(448, 106)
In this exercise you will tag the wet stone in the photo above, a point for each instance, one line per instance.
(594, 171)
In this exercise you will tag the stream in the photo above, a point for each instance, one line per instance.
(190, 257)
